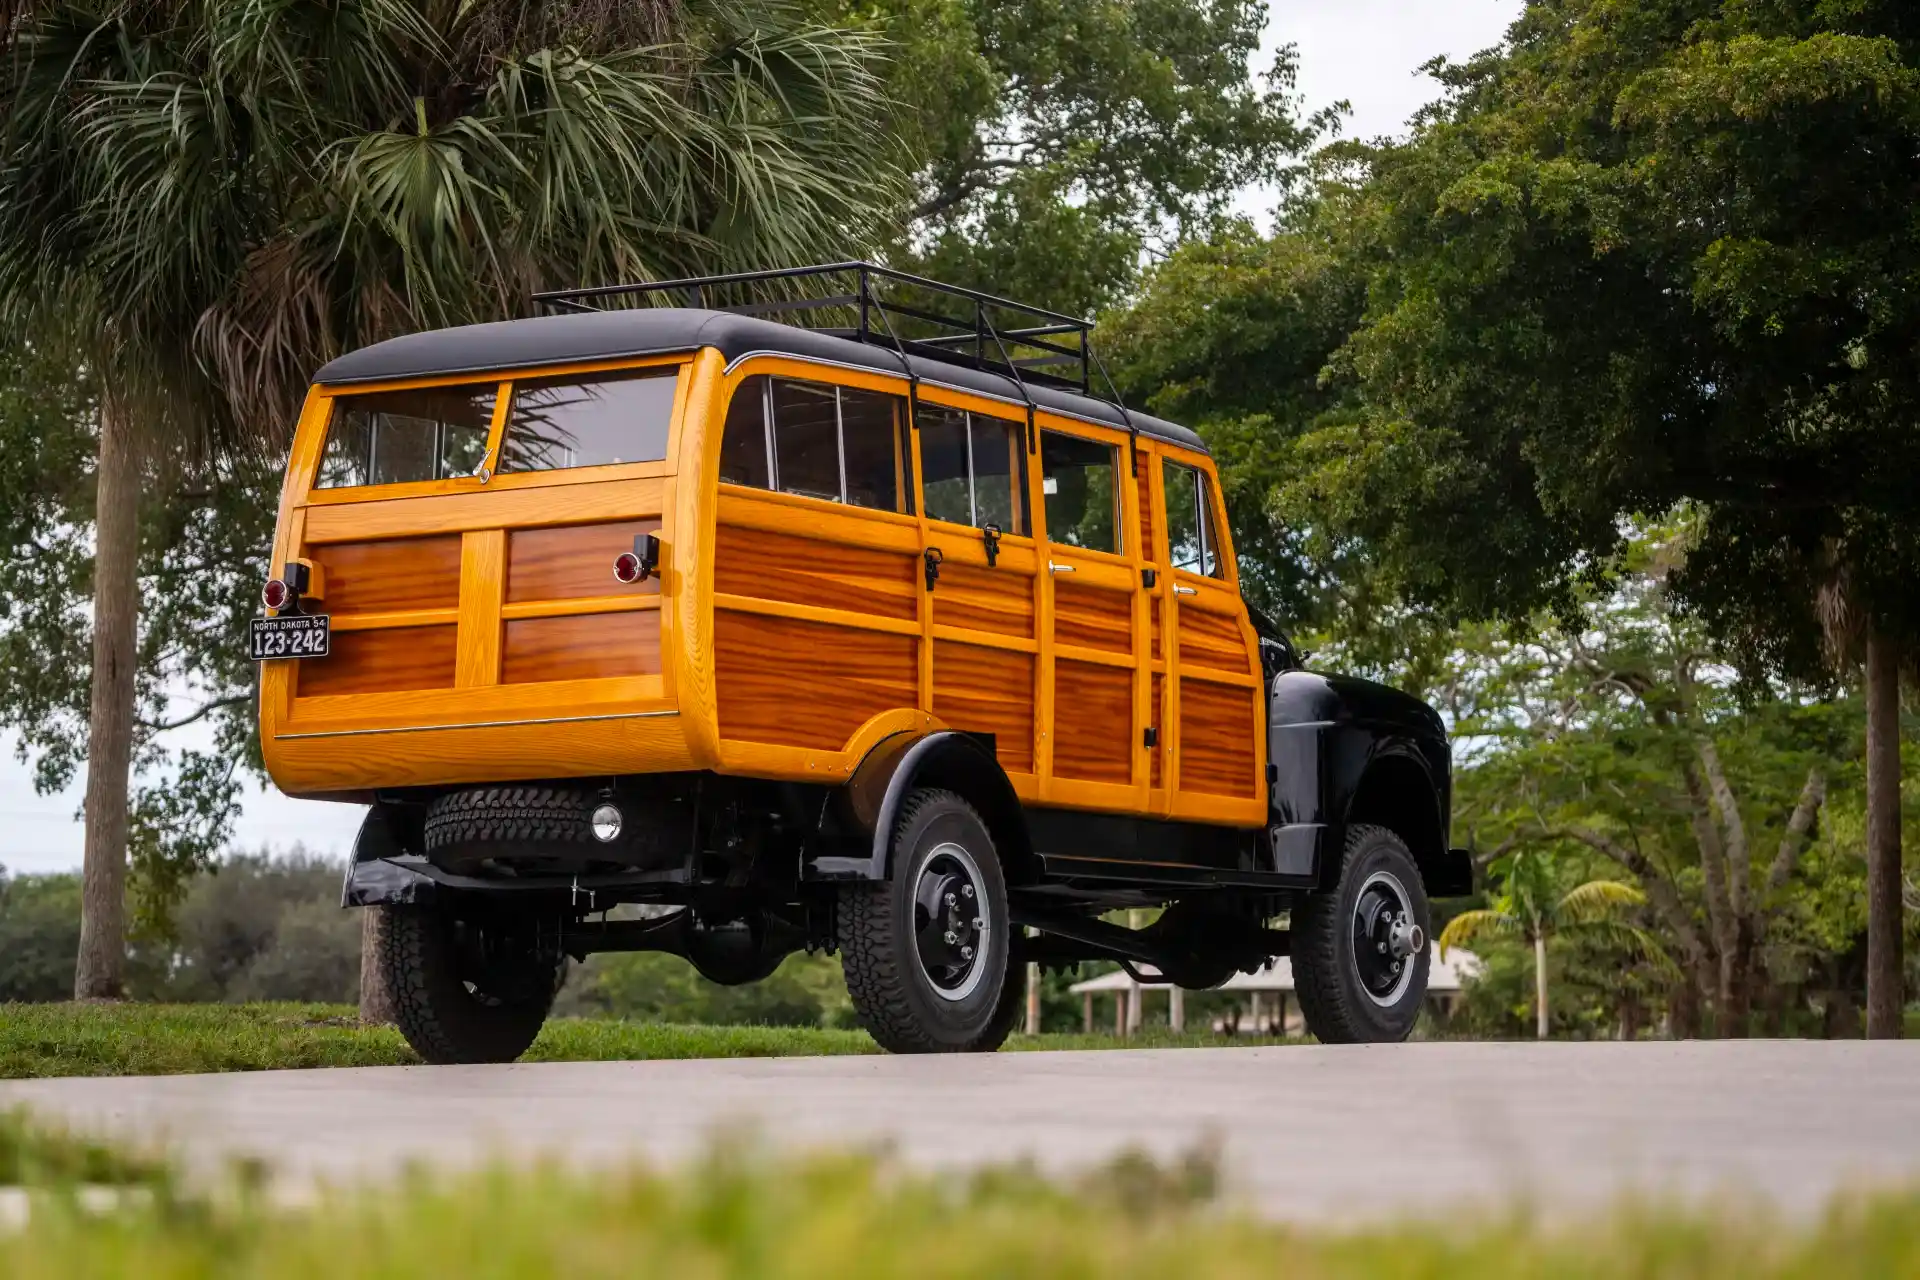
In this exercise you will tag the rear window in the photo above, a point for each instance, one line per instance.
(394, 437)
(567, 422)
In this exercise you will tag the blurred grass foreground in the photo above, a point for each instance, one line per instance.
(162, 1039)
(73, 1208)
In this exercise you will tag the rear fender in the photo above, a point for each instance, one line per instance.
(905, 762)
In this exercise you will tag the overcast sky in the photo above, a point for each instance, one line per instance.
(1365, 51)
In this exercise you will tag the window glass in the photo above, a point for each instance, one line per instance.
(565, 422)
(806, 439)
(394, 437)
(1078, 483)
(837, 443)
(999, 474)
(946, 480)
(743, 443)
(1190, 521)
(973, 469)
(873, 439)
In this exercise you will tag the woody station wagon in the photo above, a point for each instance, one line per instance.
(891, 639)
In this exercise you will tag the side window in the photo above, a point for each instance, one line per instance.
(814, 440)
(1077, 480)
(394, 437)
(565, 422)
(973, 469)
(1191, 542)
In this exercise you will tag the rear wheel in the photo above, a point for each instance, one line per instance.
(927, 953)
(463, 991)
(1360, 951)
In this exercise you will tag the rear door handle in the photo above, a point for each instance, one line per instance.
(1186, 591)
(1055, 567)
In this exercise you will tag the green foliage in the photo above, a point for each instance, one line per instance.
(805, 991)
(39, 935)
(1051, 143)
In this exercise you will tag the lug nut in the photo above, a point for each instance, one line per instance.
(952, 937)
(966, 953)
(951, 900)
(967, 889)
(977, 922)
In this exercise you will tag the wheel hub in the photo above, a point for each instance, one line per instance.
(1387, 940)
(951, 928)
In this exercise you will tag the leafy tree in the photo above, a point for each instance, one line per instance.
(1648, 252)
(805, 991)
(204, 200)
(1531, 907)
(1052, 143)
(39, 932)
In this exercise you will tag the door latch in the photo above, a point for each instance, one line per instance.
(934, 558)
(990, 536)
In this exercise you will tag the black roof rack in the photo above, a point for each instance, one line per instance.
(989, 332)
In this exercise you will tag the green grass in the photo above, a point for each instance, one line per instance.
(739, 1212)
(150, 1039)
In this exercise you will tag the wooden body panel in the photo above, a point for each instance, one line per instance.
(783, 637)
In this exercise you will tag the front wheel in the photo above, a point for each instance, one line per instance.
(927, 953)
(464, 991)
(1360, 951)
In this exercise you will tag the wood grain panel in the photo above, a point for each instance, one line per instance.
(805, 684)
(1153, 625)
(402, 573)
(550, 497)
(778, 566)
(987, 691)
(1212, 640)
(585, 647)
(1217, 727)
(1156, 770)
(1092, 722)
(404, 658)
(574, 562)
(1092, 618)
(996, 600)
(1143, 489)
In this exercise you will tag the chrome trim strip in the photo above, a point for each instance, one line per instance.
(478, 724)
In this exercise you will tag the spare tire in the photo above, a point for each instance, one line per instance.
(536, 823)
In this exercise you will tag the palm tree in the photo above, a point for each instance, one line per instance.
(207, 198)
(1528, 908)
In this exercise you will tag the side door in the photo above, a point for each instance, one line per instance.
(983, 671)
(1217, 752)
(1094, 698)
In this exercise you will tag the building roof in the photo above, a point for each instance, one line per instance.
(1442, 975)
(647, 331)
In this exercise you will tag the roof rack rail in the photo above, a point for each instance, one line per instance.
(993, 333)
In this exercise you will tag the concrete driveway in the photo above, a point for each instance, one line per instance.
(1311, 1133)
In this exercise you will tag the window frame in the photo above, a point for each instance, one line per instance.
(904, 469)
(1019, 486)
(1122, 477)
(1210, 543)
(311, 450)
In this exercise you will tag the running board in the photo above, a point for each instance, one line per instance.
(1061, 867)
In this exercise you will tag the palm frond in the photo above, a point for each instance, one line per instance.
(1597, 900)
(1469, 925)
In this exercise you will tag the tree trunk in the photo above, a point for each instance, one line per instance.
(1540, 986)
(376, 1002)
(1886, 995)
(100, 966)
(1033, 998)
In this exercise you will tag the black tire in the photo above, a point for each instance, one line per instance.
(484, 822)
(1343, 1004)
(969, 1006)
(460, 995)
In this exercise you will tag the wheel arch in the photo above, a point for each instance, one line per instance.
(958, 762)
(1397, 790)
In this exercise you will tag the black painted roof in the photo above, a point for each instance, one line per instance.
(614, 335)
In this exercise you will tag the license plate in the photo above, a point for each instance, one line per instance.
(303, 635)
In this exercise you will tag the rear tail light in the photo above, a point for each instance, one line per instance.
(275, 594)
(627, 568)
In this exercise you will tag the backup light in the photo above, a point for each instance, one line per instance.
(606, 824)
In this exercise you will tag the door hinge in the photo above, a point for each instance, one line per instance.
(990, 536)
(1148, 578)
(1151, 736)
